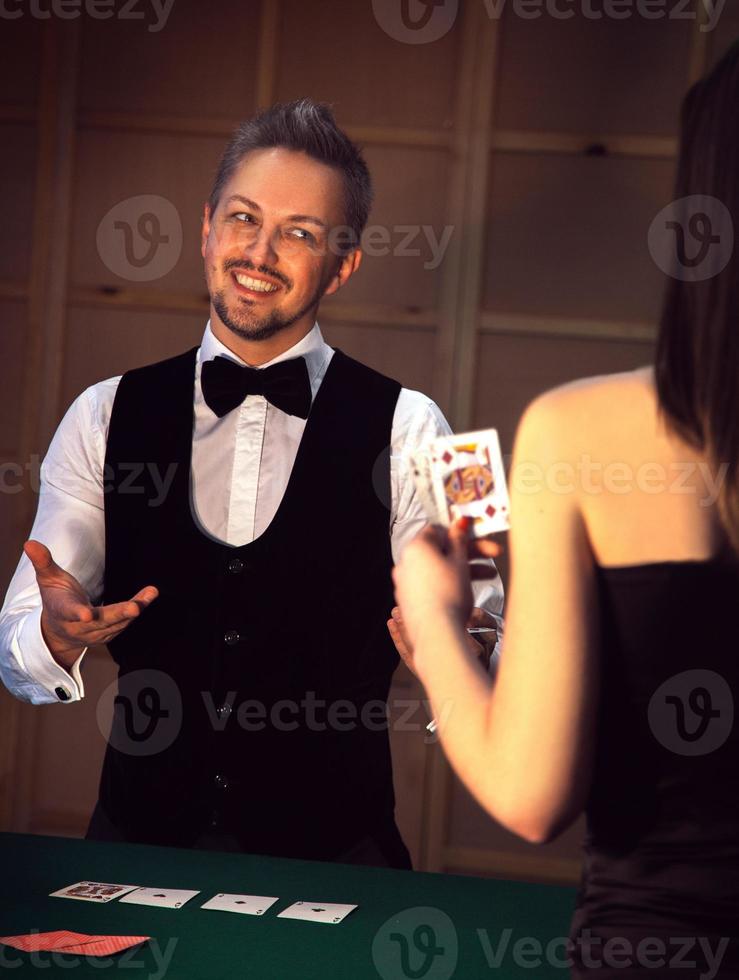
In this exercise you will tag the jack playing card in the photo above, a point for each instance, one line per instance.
(463, 476)
(93, 891)
(317, 912)
(245, 904)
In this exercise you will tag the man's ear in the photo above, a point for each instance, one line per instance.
(346, 269)
(205, 230)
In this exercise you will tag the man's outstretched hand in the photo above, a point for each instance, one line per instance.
(69, 622)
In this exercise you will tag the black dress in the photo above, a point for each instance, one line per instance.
(660, 888)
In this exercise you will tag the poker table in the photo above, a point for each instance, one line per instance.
(407, 924)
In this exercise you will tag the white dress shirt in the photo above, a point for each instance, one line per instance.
(241, 465)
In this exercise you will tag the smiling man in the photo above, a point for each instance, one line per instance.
(246, 606)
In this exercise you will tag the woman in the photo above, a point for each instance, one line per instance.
(614, 691)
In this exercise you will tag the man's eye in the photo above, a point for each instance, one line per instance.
(302, 234)
(243, 216)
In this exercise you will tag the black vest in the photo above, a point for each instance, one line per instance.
(251, 691)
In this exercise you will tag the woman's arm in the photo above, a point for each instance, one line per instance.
(523, 747)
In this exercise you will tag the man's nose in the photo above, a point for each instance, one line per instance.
(261, 249)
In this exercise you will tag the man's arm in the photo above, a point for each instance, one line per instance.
(417, 420)
(48, 620)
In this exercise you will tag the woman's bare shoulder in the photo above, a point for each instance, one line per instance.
(576, 395)
(572, 414)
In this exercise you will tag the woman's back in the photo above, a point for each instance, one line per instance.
(662, 848)
(644, 494)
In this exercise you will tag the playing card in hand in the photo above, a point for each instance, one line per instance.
(463, 476)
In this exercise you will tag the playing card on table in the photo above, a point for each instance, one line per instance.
(317, 912)
(463, 476)
(93, 891)
(63, 941)
(166, 898)
(245, 904)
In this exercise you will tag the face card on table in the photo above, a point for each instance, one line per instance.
(317, 912)
(93, 891)
(166, 898)
(245, 904)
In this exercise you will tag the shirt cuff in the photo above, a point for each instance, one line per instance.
(57, 683)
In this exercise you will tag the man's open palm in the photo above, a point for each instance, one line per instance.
(69, 622)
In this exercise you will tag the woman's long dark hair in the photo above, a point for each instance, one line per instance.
(697, 360)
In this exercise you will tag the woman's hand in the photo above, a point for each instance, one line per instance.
(432, 580)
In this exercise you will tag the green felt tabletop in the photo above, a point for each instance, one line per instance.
(408, 926)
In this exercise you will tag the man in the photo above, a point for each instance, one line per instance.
(230, 506)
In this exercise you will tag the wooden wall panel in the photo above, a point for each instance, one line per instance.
(19, 74)
(13, 340)
(514, 370)
(568, 235)
(64, 793)
(411, 188)
(112, 167)
(404, 354)
(103, 343)
(201, 63)
(611, 76)
(17, 161)
(337, 52)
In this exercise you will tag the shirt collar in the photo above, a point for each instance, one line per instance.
(312, 347)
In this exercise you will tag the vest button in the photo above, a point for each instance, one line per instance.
(221, 782)
(235, 566)
(231, 638)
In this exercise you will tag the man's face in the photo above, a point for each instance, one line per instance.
(266, 247)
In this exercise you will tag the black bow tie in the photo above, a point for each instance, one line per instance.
(285, 385)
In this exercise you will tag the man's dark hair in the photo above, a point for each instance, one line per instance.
(306, 127)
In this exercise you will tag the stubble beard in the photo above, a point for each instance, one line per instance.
(245, 324)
